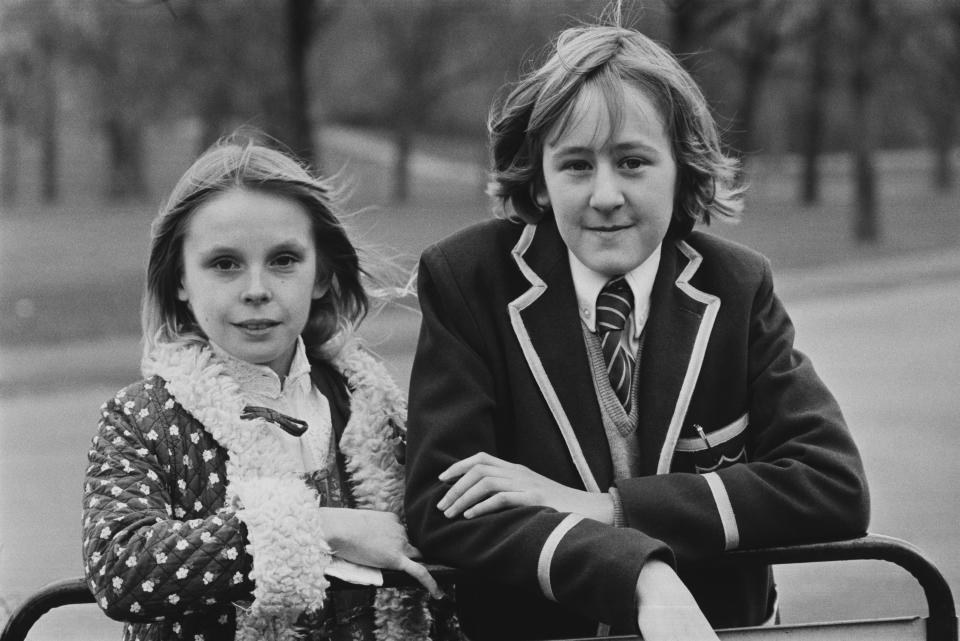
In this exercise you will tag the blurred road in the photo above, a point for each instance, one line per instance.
(884, 337)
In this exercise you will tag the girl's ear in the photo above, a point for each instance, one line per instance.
(182, 293)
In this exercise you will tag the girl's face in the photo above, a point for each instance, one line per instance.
(611, 192)
(250, 274)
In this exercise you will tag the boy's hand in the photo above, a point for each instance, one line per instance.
(489, 484)
(666, 611)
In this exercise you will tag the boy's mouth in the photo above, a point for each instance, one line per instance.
(607, 228)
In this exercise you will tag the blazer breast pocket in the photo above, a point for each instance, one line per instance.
(710, 450)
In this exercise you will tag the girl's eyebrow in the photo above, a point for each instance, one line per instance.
(291, 244)
(619, 147)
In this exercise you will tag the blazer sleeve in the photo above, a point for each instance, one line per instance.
(803, 479)
(141, 562)
(455, 412)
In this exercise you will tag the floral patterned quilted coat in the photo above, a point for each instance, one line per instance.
(188, 510)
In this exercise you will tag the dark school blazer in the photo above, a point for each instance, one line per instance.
(501, 367)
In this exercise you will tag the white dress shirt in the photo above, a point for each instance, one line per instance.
(588, 284)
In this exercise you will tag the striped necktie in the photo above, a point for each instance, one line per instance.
(613, 310)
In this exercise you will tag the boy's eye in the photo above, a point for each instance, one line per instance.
(224, 264)
(286, 260)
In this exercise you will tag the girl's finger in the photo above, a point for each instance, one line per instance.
(421, 574)
(412, 552)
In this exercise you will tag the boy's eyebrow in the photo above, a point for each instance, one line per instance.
(291, 244)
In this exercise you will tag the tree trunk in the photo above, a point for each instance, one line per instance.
(754, 76)
(814, 112)
(10, 150)
(403, 141)
(300, 17)
(945, 133)
(683, 27)
(49, 142)
(50, 156)
(125, 157)
(215, 112)
(866, 223)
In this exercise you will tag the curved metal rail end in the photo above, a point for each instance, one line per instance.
(53, 595)
(941, 623)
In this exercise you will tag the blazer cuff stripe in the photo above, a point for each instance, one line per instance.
(549, 549)
(731, 533)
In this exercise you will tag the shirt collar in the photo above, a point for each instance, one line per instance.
(588, 284)
(260, 379)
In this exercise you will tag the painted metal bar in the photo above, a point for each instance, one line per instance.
(940, 625)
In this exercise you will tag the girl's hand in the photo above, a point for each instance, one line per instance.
(489, 484)
(377, 539)
(666, 611)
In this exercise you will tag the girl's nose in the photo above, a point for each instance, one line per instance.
(607, 195)
(256, 291)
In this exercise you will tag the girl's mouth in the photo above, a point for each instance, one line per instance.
(607, 229)
(256, 325)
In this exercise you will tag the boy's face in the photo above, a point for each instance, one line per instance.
(612, 195)
(250, 274)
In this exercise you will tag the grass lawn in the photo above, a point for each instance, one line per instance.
(73, 270)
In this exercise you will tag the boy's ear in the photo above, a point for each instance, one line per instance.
(320, 288)
(543, 198)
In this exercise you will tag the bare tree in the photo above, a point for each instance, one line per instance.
(863, 87)
(30, 100)
(817, 84)
(936, 52)
(430, 55)
(762, 29)
(15, 72)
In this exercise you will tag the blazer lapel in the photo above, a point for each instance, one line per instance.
(676, 336)
(546, 322)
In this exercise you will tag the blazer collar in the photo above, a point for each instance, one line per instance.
(678, 329)
(546, 322)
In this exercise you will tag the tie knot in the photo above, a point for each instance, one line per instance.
(614, 305)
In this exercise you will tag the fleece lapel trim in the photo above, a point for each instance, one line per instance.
(514, 308)
(711, 307)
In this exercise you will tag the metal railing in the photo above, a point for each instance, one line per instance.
(940, 624)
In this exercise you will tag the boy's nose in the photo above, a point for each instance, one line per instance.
(607, 195)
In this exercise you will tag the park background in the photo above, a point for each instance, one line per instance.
(844, 112)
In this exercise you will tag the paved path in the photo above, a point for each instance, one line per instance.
(889, 347)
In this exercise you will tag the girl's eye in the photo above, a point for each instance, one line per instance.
(576, 165)
(633, 162)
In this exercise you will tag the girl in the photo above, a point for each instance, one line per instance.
(258, 455)
(603, 398)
